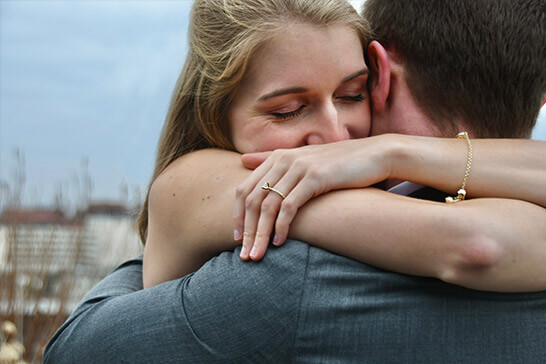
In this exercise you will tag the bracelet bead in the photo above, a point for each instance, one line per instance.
(461, 193)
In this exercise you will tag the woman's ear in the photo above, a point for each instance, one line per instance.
(380, 75)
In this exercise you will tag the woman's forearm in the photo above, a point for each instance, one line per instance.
(487, 244)
(507, 168)
(497, 168)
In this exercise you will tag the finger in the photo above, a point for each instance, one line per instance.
(261, 220)
(273, 203)
(242, 192)
(268, 213)
(269, 171)
(251, 220)
(239, 212)
(302, 192)
(253, 160)
(253, 205)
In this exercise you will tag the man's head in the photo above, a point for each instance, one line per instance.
(465, 63)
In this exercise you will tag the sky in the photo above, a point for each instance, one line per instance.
(84, 89)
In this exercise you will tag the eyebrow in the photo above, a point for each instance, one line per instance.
(299, 90)
(355, 75)
(284, 91)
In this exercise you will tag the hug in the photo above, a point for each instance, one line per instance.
(297, 211)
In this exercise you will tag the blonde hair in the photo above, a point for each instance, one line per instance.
(223, 36)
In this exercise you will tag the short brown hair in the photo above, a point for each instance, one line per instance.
(481, 61)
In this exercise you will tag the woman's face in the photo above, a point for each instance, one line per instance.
(308, 86)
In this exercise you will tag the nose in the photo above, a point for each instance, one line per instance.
(327, 128)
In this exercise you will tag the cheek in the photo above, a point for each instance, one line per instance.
(244, 136)
(244, 130)
(358, 120)
(274, 136)
(257, 135)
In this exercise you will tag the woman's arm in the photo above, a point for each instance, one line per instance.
(506, 168)
(487, 243)
(190, 214)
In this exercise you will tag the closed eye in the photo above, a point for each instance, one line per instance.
(289, 114)
(357, 98)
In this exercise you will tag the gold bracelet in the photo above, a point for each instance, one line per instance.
(461, 194)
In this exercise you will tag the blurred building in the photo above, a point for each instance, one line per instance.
(48, 261)
(45, 247)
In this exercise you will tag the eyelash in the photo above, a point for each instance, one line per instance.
(291, 114)
(288, 115)
(358, 98)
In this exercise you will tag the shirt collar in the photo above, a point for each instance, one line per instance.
(405, 188)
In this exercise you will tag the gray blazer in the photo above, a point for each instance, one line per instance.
(303, 305)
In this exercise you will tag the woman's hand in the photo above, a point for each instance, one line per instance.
(296, 176)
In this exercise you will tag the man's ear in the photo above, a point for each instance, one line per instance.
(380, 75)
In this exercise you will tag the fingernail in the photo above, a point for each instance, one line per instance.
(244, 252)
(237, 235)
(276, 240)
(253, 252)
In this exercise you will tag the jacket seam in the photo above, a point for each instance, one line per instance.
(298, 312)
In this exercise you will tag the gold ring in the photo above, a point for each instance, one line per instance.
(267, 187)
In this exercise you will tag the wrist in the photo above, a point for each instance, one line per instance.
(400, 155)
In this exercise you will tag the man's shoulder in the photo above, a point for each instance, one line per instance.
(257, 303)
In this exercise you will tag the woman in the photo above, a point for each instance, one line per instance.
(237, 92)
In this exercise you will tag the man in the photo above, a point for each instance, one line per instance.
(303, 304)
